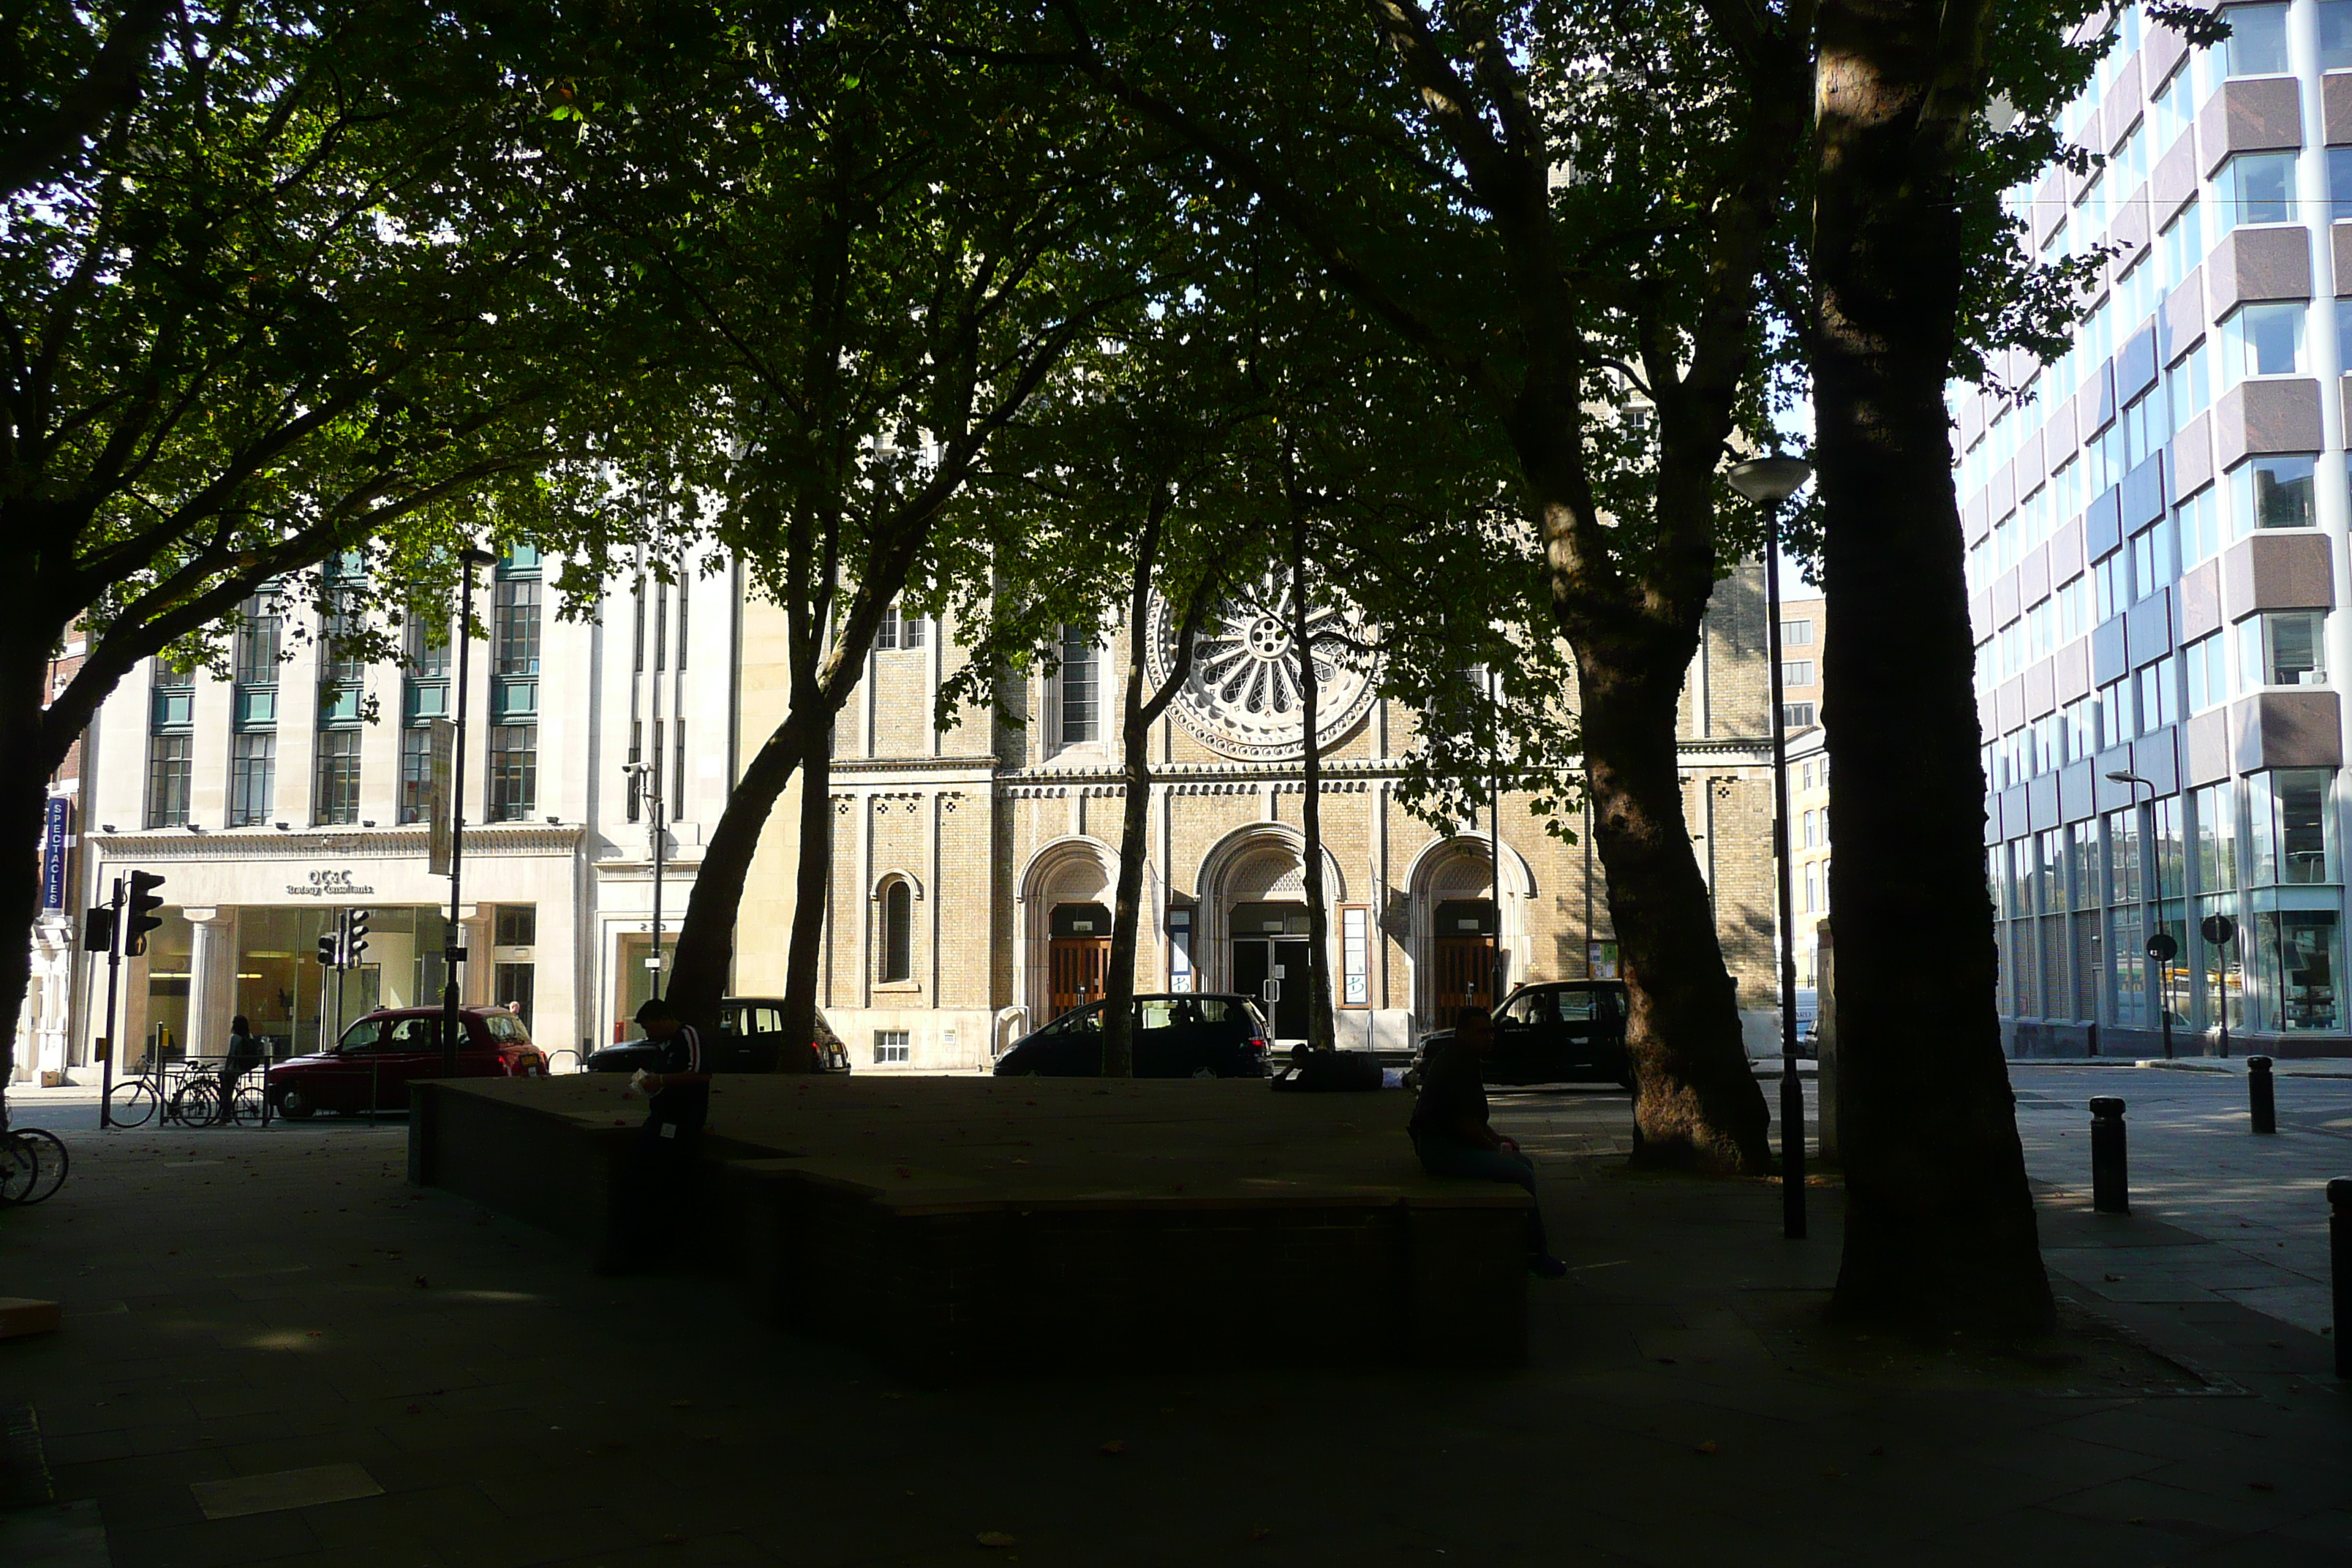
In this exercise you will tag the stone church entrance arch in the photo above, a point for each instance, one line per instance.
(1065, 927)
(1253, 915)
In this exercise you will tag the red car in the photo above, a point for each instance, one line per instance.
(378, 1055)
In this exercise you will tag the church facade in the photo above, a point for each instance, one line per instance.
(973, 868)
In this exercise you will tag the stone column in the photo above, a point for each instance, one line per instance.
(474, 982)
(211, 981)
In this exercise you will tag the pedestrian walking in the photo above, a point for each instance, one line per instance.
(1450, 1130)
(654, 1206)
(246, 1053)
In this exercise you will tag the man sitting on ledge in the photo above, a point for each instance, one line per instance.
(1450, 1133)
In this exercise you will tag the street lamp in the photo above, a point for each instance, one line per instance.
(2161, 946)
(453, 950)
(1769, 482)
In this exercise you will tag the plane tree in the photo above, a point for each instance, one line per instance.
(284, 286)
(869, 257)
(1509, 191)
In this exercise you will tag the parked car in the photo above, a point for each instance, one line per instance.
(373, 1063)
(750, 1039)
(1562, 1031)
(1176, 1035)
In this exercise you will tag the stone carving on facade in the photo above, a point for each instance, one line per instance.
(1242, 698)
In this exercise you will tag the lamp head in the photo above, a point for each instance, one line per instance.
(2125, 776)
(1768, 481)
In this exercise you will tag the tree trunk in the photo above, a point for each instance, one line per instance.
(25, 772)
(1939, 1221)
(705, 955)
(1134, 820)
(1698, 1105)
(811, 883)
(1320, 1034)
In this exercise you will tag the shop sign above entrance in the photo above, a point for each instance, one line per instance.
(332, 885)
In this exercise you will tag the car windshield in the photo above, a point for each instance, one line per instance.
(506, 1029)
(360, 1036)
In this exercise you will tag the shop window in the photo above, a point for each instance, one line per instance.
(2296, 951)
(2285, 649)
(514, 986)
(2272, 492)
(1081, 675)
(896, 948)
(2256, 187)
(2257, 45)
(252, 778)
(514, 772)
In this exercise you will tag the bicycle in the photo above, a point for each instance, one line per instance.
(132, 1102)
(32, 1167)
(196, 1102)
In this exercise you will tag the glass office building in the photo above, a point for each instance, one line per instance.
(2155, 529)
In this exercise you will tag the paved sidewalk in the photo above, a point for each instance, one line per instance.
(279, 1309)
(2256, 1207)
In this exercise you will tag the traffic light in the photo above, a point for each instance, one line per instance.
(326, 951)
(355, 937)
(143, 918)
(97, 929)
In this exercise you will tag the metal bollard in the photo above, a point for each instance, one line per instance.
(2261, 1094)
(2340, 1262)
(2110, 1180)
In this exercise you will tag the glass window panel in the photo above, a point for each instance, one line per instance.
(2302, 818)
(514, 772)
(1080, 687)
(338, 794)
(169, 761)
(416, 772)
(2257, 45)
(253, 765)
(2257, 187)
(2335, 34)
(2273, 492)
(2297, 955)
(2126, 957)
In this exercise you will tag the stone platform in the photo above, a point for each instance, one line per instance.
(958, 1227)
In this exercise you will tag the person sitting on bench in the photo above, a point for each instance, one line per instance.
(1450, 1131)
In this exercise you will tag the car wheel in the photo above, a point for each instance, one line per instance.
(294, 1103)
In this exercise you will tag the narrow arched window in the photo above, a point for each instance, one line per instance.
(898, 932)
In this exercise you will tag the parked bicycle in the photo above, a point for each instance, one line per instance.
(197, 1101)
(131, 1101)
(32, 1165)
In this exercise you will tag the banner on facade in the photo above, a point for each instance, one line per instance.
(53, 854)
(440, 797)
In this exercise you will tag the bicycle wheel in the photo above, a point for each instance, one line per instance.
(20, 1170)
(47, 1152)
(195, 1103)
(247, 1104)
(130, 1103)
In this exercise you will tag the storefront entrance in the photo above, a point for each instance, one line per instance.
(1271, 958)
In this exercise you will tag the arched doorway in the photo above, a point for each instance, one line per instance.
(1252, 908)
(1065, 887)
(1077, 955)
(1464, 948)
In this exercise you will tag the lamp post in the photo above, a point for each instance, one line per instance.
(645, 779)
(453, 952)
(1769, 482)
(2156, 939)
